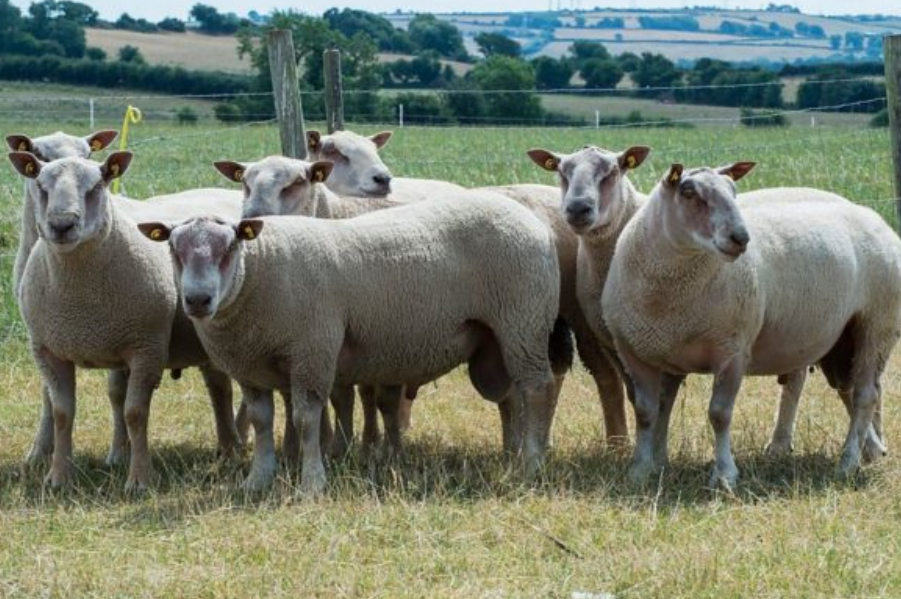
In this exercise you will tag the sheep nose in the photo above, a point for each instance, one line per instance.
(740, 237)
(382, 178)
(198, 303)
(578, 211)
(61, 229)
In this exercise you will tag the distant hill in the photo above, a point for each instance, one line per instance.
(686, 34)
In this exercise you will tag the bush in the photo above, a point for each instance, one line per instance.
(228, 112)
(186, 116)
(762, 118)
(880, 119)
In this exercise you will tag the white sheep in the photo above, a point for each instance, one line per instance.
(321, 326)
(47, 148)
(96, 294)
(702, 283)
(360, 171)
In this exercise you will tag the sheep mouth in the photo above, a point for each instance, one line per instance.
(731, 251)
(378, 191)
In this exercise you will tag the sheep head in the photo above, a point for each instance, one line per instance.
(205, 255)
(591, 182)
(359, 170)
(277, 185)
(72, 200)
(699, 209)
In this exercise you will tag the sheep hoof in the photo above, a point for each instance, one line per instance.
(725, 479)
(312, 484)
(136, 485)
(259, 479)
(58, 478)
(116, 456)
(873, 449)
(778, 449)
(848, 466)
(38, 453)
(640, 473)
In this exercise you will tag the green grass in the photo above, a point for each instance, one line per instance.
(450, 520)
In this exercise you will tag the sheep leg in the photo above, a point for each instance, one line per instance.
(342, 398)
(389, 399)
(725, 387)
(117, 391)
(290, 440)
(646, 382)
(219, 387)
(865, 397)
(538, 401)
(610, 388)
(42, 446)
(371, 434)
(781, 440)
(505, 409)
(874, 447)
(669, 389)
(242, 422)
(59, 378)
(144, 377)
(405, 413)
(308, 408)
(261, 413)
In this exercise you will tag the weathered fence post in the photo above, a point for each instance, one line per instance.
(891, 47)
(334, 94)
(286, 88)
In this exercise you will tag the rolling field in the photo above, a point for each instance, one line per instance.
(450, 519)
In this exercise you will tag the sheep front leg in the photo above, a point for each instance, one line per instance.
(538, 402)
(42, 446)
(371, 434)
(308, 407)
(726, 384)
(145, 374)
(646, 383)
(781, 439)
(59, 379)
(219, 387)
(260, 413)
(388, 400)
(342, 398)
(669, 389)
(117, 391)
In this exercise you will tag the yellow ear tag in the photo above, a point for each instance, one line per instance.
(674, 178)
(23, 146)
(238, 175)
(630, 161)
(248, 232)
(96, 145)
(156, 234)
(114, 169)
(29, 168)
(550, 164)
(312, 142)
(319, 176)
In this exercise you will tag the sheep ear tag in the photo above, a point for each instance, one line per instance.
(29, 168)
(630, 161)
(156, 234)
(248, 233)
(96, 145)
(551, 164)
(238, 174)
(23, 146)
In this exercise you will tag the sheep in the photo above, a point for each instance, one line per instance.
(702, 282)
(321, 327)
(96, 294)
(597, 202)
(360, 171)
(59, 145)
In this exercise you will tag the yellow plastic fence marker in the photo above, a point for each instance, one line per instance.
(132, 115)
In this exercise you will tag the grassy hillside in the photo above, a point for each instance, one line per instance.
(450, 520)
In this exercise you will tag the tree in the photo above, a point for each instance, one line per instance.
(854, 40)
(629, 61)
(835, 41)
(350, 21)
(212, 21)
(131, 54)
(95, 53)
(429, 32)
(508, 78)
(552, 74)
(584, 50)
(601, 73)
(172, 24)
(497, 44)
(655, 70)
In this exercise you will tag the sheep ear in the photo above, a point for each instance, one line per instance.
(545, 159)
(26, 163)
(633, 157)
(101, 139)
(19, 143)
(248, 229)
(674, 175)
(320, 170)
(155, 231)
(115, 165)
(737, 170)
(381, 138)
(313, 140)
(233, 171)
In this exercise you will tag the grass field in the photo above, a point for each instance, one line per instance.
(449, 520)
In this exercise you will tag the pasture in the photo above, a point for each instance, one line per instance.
(450, 519)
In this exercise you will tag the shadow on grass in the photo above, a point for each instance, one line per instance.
(191, 480)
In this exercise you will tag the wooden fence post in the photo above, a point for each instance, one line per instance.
(286, 88)
(891, 47)
(334, 94)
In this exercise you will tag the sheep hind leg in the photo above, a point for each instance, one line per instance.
(342, 398)
(388, 398)
(669, 390)
(42, 446)
(219, 387)
(725, 387)
(783, 432)
(609, 383)
(117, 391)
(874, 445)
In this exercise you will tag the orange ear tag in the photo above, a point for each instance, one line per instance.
(238, 175)
(550, 164)
(248, 232)
(156, 234)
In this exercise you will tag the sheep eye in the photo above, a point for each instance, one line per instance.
(689, 193)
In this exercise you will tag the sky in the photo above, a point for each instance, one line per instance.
(158, 9)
